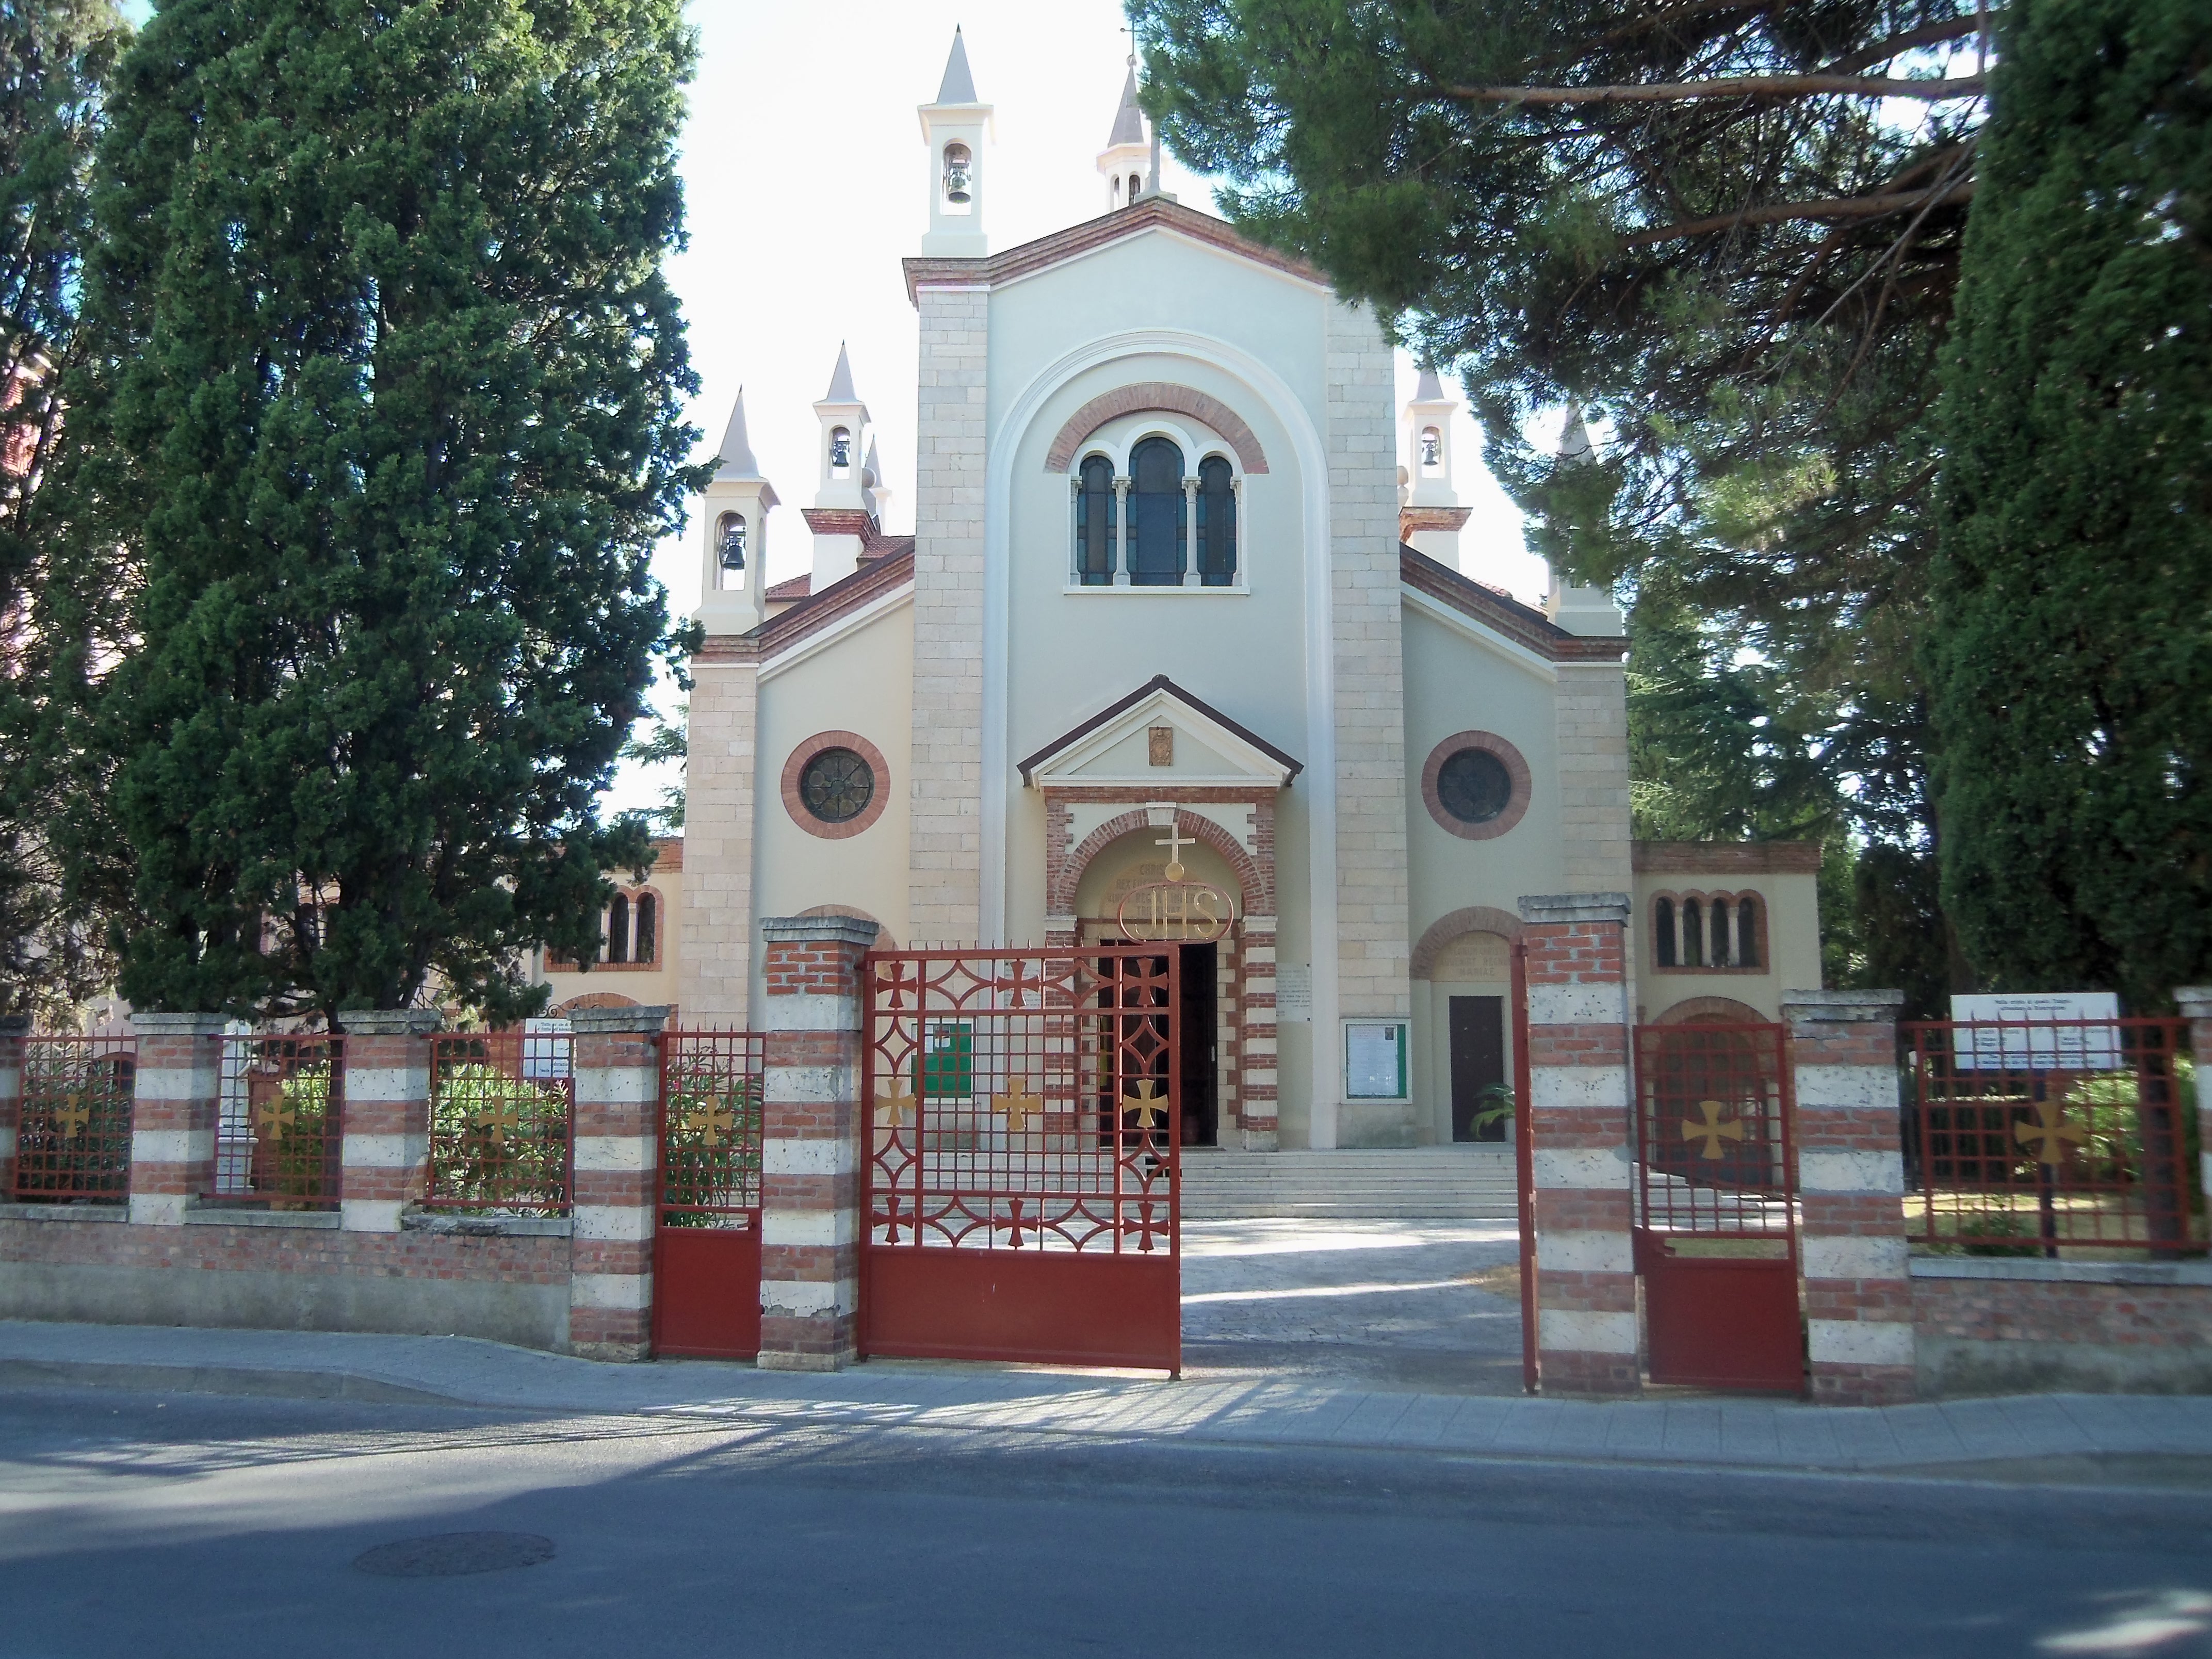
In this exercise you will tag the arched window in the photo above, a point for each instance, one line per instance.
(1116, 191)
(1095, 524)
(1217, 523)
(1693, 934)
(1432, 447)
(1662, 928)
(1158, 530)
(730, 542)
(958, 183)
(618, 929)
(1746, 932)
(1134, 189)
(840, 450)
(1720, 957)
(646, 937)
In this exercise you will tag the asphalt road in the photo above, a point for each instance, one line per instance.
(183, 1525)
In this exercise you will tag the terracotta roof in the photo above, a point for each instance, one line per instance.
(1158, 683)
(1064, 244)
(813, 612)
(1723, 858)
(1522, 623)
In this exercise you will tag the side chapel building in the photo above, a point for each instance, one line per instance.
(1172, 600)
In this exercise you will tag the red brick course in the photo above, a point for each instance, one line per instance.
(2046, 1311)
(319, 1250)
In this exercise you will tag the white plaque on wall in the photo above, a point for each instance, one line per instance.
(1293, 991)
(1375, 1059)
(2028, 1031)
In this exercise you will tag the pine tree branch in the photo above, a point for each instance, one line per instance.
(1775, 213)
(1739, 86)
(1931, 34)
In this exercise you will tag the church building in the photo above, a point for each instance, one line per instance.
(1181, 650)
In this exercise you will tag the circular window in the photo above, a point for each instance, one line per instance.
(838, 786)
(1475, 785)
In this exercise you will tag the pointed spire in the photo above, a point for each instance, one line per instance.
(841, 381)
(1575, 447)
(736, 453)
(1129, 118)
(958, 86)
(871, 473)
(1430, 390)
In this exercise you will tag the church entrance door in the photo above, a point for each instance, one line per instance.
(1478, 1065)
(1200, 1063)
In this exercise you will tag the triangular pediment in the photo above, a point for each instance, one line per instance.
(1119, 746)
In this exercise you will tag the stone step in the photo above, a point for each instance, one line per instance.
(1396, 1183)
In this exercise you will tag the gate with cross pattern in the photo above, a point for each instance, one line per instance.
(1716, 1213)
(1020, 1184)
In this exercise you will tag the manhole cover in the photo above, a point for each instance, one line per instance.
(450, 1554)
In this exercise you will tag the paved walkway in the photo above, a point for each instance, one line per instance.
(1748, 1433)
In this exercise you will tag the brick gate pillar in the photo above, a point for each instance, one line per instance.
(176, 1104)
(1581, 1141)
(1850, 1182)
(14, 1028)
(813, 1123)
(385, 1154)
(2195, 1002)
(613, 1201)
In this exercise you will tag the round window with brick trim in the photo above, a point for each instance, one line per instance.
(835, 784)
(1476, 785)
(838, 786)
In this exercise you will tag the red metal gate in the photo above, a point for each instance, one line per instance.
(1715, 1207)
(706, 1251)
(1025, 1131)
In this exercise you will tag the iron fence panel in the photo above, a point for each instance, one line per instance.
(710, 1129)
(73, 1138)
(1714, 1156)
(282, 1135)
(502, 1104)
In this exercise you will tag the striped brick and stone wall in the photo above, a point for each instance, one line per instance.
(615, 1145)
(812, 1130)
(1582, 1141)
(176, 1107)
(1850, 1185)
(385, 1144)
(945, 774)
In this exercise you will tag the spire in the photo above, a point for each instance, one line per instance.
(958, 86)
(841, 381)
(736, 454)
(1575, 447)
(1430, 390)
(1129, 119)
(871, 473)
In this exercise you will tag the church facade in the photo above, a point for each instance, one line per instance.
(1180, 651)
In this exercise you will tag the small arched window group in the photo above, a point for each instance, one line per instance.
(1158, 527)
(1710, 931)
(629, 932)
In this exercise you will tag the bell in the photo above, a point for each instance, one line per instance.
(733, 545)
(841, 448)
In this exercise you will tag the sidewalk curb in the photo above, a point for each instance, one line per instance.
(251, 1381)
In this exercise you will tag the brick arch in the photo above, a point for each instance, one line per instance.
(1475, 918)
(1149, 395)
(1258, 897)
(593, 999)
(883, 939)
(1712, 1010)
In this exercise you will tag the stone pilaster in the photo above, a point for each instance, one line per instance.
(1257, 1090)
(1850, 1183)
(1590, 712)
(13, 1030)
(2195, 1002)
(1582, 1142)
(812, 1124)
(944, 776)
(176, 1105)
(713, 974)
(385, 1150)
(614, 1143)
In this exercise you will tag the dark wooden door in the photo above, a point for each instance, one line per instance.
(1199, 1037)
(1478, 1061)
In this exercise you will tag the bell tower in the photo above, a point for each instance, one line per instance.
(1430, 516)
(955, 128)
(841, 497)
(1126, 160)
(1589, 611)
(734, 530)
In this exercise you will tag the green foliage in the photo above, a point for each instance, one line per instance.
(711, 1153)
(2071, 659)
(293, 1157)
(669, 741)
(498, 1142)
(387, 412)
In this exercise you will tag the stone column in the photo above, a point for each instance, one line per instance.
(386, 1152)
(14, 1028)
(2195, 1002)
(1850, 1182)
(1582, 1142)
(1258, 1090)
(812, 1131)
(176, 1107)
(614, 1202)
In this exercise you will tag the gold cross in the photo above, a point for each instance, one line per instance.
(277, 1115)
(714, 1120)
(1175, 841)
(1712, 1131)
(2053, 1131)
(1147, 1102)
(496, 1117)
(72, 1117)
(895, 1106)
(1020, 1106)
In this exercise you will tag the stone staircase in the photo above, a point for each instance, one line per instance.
(1444, 1182)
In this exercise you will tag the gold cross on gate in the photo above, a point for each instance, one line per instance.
(1175, 843)
(277, 1115)
(2051, 1130)
(72, 1117)
(895, 1106)
(497, 1117)
(713, 1120)
(1147, 1102)
(1020, 1106)
(1712, 1131)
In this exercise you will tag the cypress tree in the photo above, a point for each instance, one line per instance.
(390, 406)
(2071, 656)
